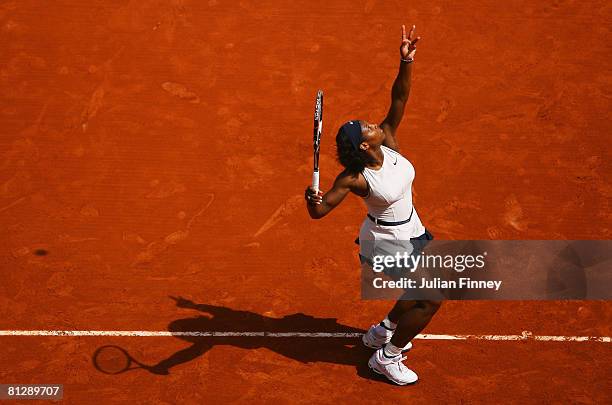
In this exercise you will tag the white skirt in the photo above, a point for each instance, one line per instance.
(397, 238)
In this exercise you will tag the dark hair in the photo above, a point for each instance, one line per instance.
(353, 160)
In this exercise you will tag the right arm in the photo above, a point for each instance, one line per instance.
(320, 205)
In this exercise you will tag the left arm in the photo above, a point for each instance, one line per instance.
(401, 88)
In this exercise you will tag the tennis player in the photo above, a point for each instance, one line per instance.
(376, 171)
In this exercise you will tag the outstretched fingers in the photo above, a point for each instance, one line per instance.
(409, 39)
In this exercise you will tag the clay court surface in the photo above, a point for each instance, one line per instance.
(161, 148)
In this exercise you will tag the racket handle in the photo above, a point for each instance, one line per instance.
(315, 180)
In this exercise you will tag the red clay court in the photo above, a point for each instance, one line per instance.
(158, 149)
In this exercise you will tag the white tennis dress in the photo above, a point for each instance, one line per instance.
(389, 199)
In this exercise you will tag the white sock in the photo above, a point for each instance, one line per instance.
(388, 324)
(391, 350)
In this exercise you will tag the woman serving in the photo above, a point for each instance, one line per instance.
(376, 171)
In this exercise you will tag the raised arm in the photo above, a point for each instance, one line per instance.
(400, 89)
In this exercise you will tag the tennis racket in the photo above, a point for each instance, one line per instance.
(318, 128)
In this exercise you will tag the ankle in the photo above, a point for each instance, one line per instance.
(387, 324)
(390, 351)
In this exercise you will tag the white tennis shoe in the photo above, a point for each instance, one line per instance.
(392, 368)
(378, 336)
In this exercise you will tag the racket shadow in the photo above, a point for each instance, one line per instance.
(112, 359)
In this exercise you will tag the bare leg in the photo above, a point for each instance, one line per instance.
(411, 318)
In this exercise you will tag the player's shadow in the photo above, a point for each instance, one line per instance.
(338, 350)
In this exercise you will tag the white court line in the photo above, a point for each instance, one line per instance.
(525, 335)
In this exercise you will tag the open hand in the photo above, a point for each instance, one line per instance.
(408, 46)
